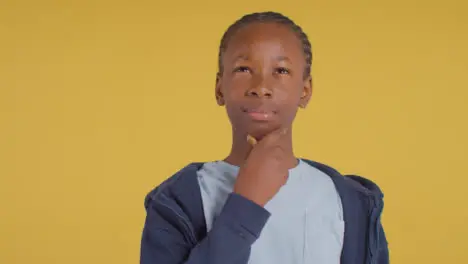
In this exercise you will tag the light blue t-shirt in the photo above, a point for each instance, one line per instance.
(306, 223)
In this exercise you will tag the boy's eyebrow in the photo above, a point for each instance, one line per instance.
(278, 58)
(241, 57)
(283, 58)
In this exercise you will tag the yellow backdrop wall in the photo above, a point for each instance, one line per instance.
(102, 100)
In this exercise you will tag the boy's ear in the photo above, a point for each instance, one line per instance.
(306, 92)
(219, 95)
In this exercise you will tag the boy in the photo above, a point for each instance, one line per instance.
(261, 204)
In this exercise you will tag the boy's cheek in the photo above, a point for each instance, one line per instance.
(287, 117)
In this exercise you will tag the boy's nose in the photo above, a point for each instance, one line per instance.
(259, 88)
(259, 92)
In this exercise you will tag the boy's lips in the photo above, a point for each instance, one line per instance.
(259, 113)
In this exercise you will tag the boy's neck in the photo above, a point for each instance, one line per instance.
(241, 149)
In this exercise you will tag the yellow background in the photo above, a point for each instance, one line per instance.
(102, 100)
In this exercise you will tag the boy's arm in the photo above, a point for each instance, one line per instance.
(236, 228)
(383, 257)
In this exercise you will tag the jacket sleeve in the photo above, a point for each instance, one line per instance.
(383, 257)
(165, 239)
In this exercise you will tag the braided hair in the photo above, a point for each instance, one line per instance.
(267, 17)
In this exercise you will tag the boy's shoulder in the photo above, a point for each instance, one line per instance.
(352, 182)
(180, 183)
(178, 201)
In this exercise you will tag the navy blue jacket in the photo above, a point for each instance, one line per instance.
(175, 230)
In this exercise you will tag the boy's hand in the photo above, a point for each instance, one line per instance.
(265, 170)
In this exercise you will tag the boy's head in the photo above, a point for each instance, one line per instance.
(264, 73)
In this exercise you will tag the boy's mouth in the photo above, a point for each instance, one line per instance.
(259, 113)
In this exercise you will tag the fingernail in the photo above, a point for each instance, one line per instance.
(251, 140)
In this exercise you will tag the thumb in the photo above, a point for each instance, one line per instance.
(251, 140)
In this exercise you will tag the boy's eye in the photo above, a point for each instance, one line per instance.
(242, 69)
(282, 70)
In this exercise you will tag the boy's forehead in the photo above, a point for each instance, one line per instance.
(258, 34)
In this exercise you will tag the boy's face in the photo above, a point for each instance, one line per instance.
(262, 83)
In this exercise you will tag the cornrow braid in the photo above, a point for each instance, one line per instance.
(267, 17)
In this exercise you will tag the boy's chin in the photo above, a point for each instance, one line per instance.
(261, 131)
